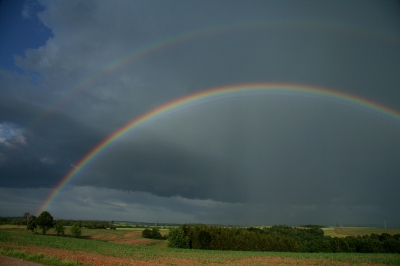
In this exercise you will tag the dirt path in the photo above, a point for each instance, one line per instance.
(7, 261)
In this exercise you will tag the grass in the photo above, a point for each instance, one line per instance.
(37, 257)
(14, 239)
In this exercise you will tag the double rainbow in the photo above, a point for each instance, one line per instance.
(209, 95)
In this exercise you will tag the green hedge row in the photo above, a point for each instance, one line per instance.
(277, 238)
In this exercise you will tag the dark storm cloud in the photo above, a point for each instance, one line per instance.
(50, 145)
(269, 158)
(162, 170)
(288, 52)
(284, 150)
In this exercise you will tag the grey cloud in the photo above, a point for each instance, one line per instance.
(295, 157)
(51, 145)
(290, 52)
(279, 150)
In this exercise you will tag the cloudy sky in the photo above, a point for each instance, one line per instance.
(73, 72)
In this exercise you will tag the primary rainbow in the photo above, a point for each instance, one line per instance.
(212, 94)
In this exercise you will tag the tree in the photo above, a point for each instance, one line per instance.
(59, 227)
(25, 219)
(32, 223)
(45, 221)
(76, 230)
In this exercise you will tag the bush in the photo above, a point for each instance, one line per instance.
(146, 233)
(177, 238)
(76, 230)
(59, 227)
(154, 234)
(32, 223)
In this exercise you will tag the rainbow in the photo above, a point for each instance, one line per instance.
(165, 43)
(210, 95)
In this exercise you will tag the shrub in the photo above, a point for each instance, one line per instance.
(146, 233)
(76, 230)
(32, 223)
(154, 233)
(177, 238)
(59, 227)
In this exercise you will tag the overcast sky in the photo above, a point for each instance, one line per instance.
(73, 72)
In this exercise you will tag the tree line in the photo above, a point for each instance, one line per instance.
(32, 223)
(278, 238)
(91, 224)
(45, 221)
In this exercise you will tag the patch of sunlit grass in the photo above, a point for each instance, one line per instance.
(37, 257)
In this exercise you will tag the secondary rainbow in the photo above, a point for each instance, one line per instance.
(165, 43)
(212, 94)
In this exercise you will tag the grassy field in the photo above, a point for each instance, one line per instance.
(112, 247)
(330, 231)
(141, 229)
(354, 231)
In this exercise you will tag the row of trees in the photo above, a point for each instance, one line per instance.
(278, 238)
(10, 221)
(91, 224)
(45, 221)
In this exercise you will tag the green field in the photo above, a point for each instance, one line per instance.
(13, 239)
(355, 231)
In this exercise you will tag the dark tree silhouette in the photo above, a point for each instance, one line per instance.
(45, 221)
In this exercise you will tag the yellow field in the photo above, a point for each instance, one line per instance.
(330, 231)
(354, 231)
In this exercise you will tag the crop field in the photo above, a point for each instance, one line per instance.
(330, 231)
(124, 247)
(354, 231)
(131, 236)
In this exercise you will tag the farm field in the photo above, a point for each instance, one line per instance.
(127, 247)
(131, 236)
(354, 231)
(330, 231)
